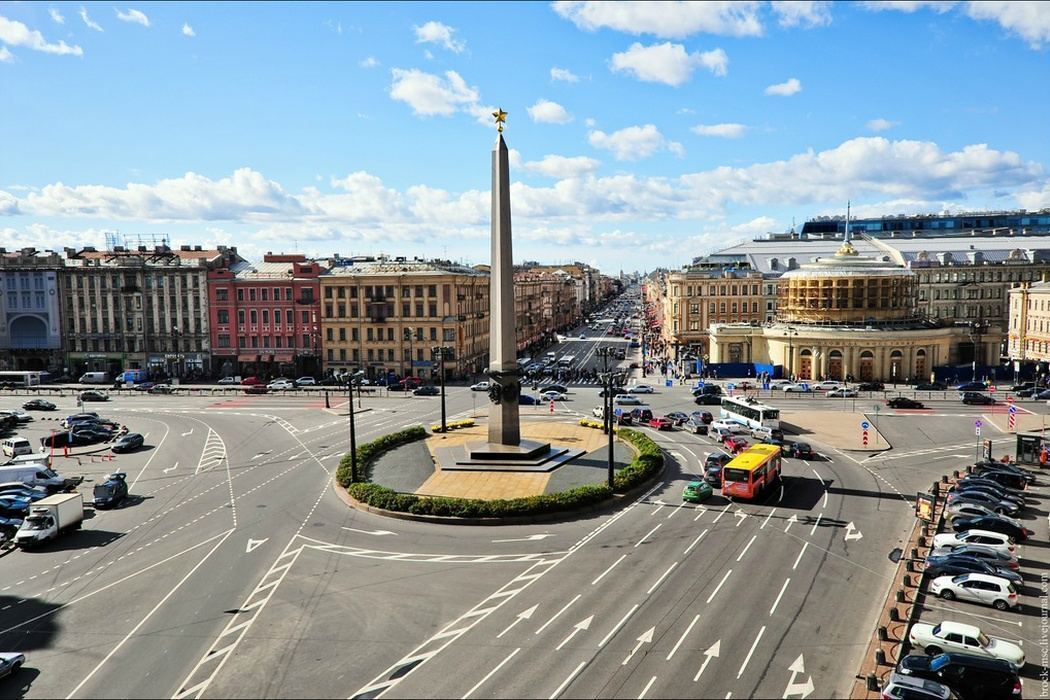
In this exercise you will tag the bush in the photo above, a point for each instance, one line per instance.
(453, 424)
(381, 497)
(649, 461)
(369, 452)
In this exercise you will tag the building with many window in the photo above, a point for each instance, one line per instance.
(385, 315)
(1029, 330)
(30, 323)
(265, 317)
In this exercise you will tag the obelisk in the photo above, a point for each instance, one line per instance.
(503, 366)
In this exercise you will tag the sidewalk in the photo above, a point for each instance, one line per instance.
(838, 429)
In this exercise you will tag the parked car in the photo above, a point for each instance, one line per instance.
(431, 390)
(1006, 479)
(992, 523)
(14, 506)
(111, 492)
(986, 482)
(19, 415)
(640, 389)
(93, 396)
(251, 381)
(901, 687)
(972, 398)
(10, 662)
(842, 393)
(799, 450)
(990, 489)
(280, 385)
(981, 467)
(227, 380)
(986, 538)
(971, 386)
(677, 417)
(985, 499)
(871, 386)
(904, 402)
(964, 509)
(967, 639)
(17, 489)
(976, 588)
(955, 564)
(661, 423)
(697, 492)
(994, 557)
(38, 405)
(306, 381)
(970, 677)
(931, 386)
(128, 443)
(708, 400)
(826, 385)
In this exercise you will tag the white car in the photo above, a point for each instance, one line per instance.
(986, 538)
(20, 415)
(279, 384)
(799, 388)
(966, 639)
(827, 385)
(976, 588)
(778, 384)
(10, 662)
(730, 427)
(228, 380)
(480, 386)
(554, 396)
(842, 393)
(626, 400)
(641, 389)
(306, 381)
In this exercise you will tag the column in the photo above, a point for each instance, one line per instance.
(823, 365)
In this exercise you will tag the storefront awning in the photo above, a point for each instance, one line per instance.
(282, 358)
(247, 358)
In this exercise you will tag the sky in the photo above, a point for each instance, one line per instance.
(641, 134)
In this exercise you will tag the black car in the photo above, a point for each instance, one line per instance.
(713, 475)
(704, 416)
(904, 402)
(969, 676)
(972, 398)
(112, 491)
(712, 389)
(989, 480)
(1024, 386)
(931, 386)
(131, 441)
(677, 417)
(1010, 480)
(976, 483)
(93, 396)
(708, 400)
(38, 405)
(991, 523)
(983, 467)
(554, 387)
(1027, 393)
(427, 390)
(616, 390)
(799, 450)
(972, 386)
(988, 501)
(954, 564)
(90, 436)
(871, 386)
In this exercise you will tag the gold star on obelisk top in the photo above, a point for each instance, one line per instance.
(501, 118)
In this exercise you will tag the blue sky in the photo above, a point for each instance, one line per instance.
(641, 134)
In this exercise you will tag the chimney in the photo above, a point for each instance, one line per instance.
(185, 248)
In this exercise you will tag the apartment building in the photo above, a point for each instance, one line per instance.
(265, 317)
(693, 299)
(385, 315)
(30, 323)
(1028, 338)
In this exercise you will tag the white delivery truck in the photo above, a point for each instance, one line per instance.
(49, 517)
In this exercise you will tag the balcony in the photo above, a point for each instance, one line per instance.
(376, 319)
(306, 300)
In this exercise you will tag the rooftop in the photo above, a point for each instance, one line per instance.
(347, 267)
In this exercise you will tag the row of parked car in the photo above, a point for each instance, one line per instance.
(975, 562)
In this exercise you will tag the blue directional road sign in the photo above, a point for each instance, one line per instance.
(978, 423)
(668, 382)
(1013, 409)
(864, 424)
(617, 412)
(730, 386)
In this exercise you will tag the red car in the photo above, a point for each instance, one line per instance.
(734, 443)
(251, 381)
(661, 423)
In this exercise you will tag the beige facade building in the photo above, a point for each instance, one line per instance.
(1029, 334)
(694, 299)
(385, 315)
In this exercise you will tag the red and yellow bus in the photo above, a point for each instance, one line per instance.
(751, 472)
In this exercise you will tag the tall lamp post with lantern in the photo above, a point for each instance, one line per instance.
(441, 352)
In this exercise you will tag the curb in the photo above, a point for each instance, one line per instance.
(512, 520)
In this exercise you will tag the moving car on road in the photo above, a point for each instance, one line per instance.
(280, 385)
(696, 426)
(697, 492)
(128, 443)
(661, 423)
(626, 400)
(842, 393)
(971, 386)
(227, 380)
(677, 417)
(931, 386)
(552, 395)
(256, 389)
(871, 386)
(480, 386)
(708, 400)
(306, 381)
(967, 639)
(826, 385)
(976, 588)
(734, 444)
(799, 450)
(251, 381)
(92, 395)
(904, 402)
(796, 388)
(430, 390)
(640, 389)
(972, 398)
(111, 492)
(38, 405)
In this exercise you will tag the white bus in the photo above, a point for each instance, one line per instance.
(566, 361)
(749, 412)
(25, 378)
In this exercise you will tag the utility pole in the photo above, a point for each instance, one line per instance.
(355, 378)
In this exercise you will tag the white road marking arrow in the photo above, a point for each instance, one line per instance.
(523, 615)
(262, 454)
(852, 533)
(646, 638)
(189, 433)
(740, 514)
(370, 532)
(581, 625)
(800, 689)
(254, 544)
(171, 468)
(530, 538)
(711, 652)
(791, 521)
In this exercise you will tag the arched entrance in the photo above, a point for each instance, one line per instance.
(920, 365)
(867, 366)
(897, 366)
(835, 369)
(28, 332)
(805, 369)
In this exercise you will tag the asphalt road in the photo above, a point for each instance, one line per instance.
(236, 571)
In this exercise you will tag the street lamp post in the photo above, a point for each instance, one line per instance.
(354, 379)
(441, 352)
(607, 407)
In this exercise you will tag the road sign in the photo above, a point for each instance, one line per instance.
(977, 424)
(805, 386)
(1013, 410)
(617, 412)
(668, 382)
(864, 424)
(730, 386)
(1009, 399)
(977, 431)
(992, 388)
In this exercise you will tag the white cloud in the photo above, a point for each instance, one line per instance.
(633, 142)
(6, 56)
(187, 30)
(564, 75)
(15, 33)
(672, 20)
(726, 131)
(133, 16)
(938, 6)
(369, 62)
(1029, 20)
(56, 16)
(807, 13)
(881, 124)
(667, 63)
(1035, 199)
(589, 122)
(785, 89)
(563, 167)
(482, 113)
(429, 94)
(437, 33)
(91, 24)
(547, 112)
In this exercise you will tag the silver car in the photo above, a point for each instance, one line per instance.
(10, 663)
(900, 686)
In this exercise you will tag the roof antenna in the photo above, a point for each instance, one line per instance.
(846, 236)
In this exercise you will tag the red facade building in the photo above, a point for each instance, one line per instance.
(265, 317)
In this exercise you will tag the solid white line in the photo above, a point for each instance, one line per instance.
(557, 614)
(748, 657)
(724, 511)
(814, 528)
(148, 615)
(618, 626)
(648, 533)
(675, 510)
(567, 681)
(684, 635)
(156, 450)
(490, 673)
(825, 499)
(747, 547)
(647, 687)
(602, 575)
(799, 558)
(700, 514)
(660, 580)
(767, 519)
(719, 586)
(779, 595)
(693, 544)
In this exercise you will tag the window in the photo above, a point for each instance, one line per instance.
(222, 294)
(251, 294)
(266, 341)
(328, 335)
(265, 294)
(242, 342)
(369, 335)
(419, 291)
(327, 292)
(342, 310)
(406, 291)
(389, 354)
(305, 316)
(277, 340)
(276, 317)
(355, 335)
(419, 308)
(288, 317)
(255, 341)
(224, 316)
(254, 317)
(287, 293)
(342, 355)
(331, 354)
(306, 340)
(433, 309)
(406, 309)
(371, 354)
(224, 340)
(266, 316)
(291, 340)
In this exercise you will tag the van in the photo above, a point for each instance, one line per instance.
(129, 375)
(94, 378)
(31, 458)
(36, 475)
(15, 446)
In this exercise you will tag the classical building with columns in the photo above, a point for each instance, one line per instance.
(849, 316)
